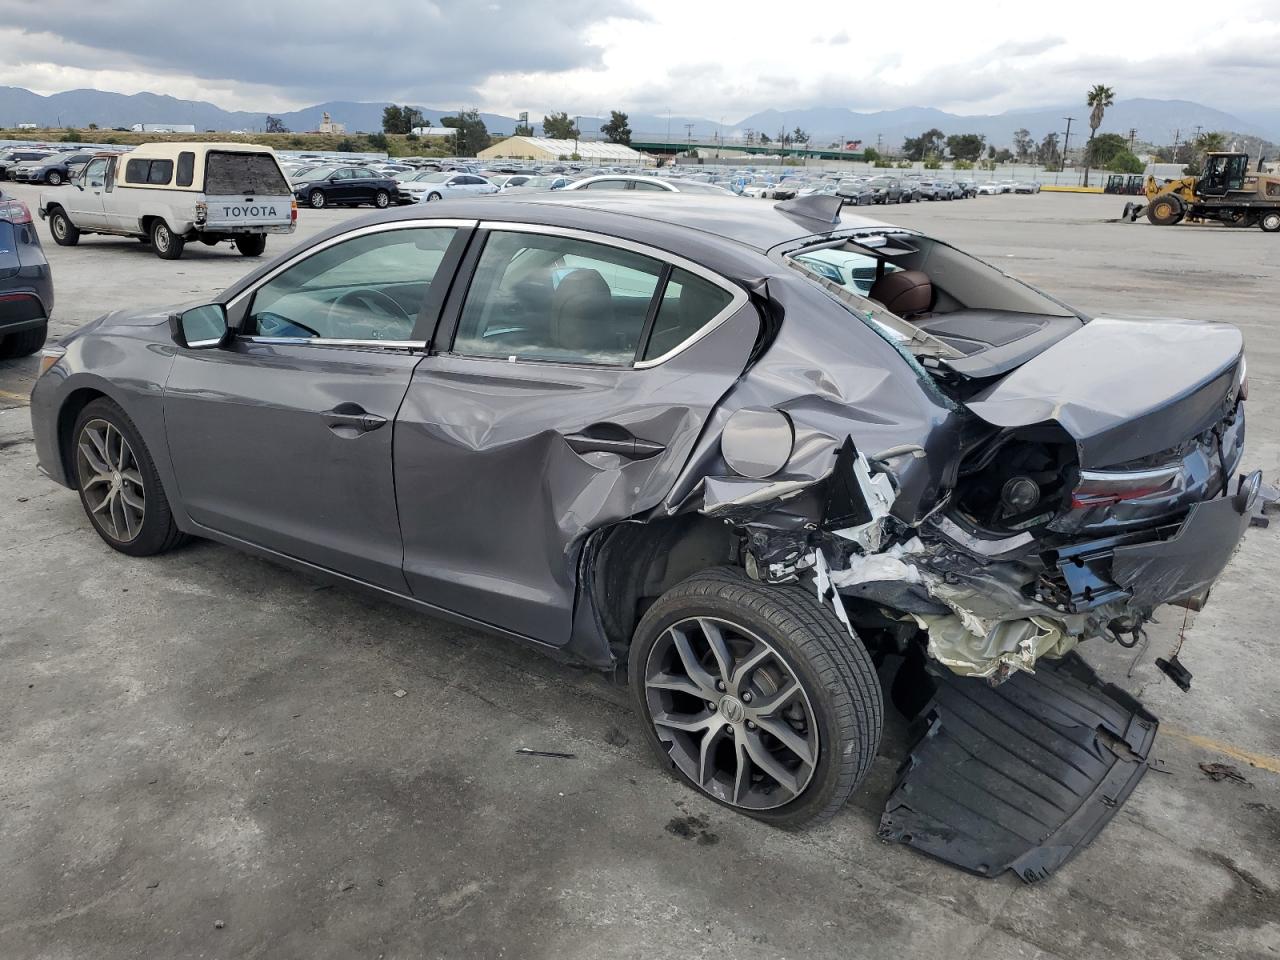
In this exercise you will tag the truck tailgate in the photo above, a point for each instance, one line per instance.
(242, 212)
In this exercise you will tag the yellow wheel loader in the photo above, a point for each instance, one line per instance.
(1228, 192)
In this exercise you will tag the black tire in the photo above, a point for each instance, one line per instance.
(167, 244)
(1270, 221)
(24, 342)
(317, 199)
(158, 533)
(382, 199)
(834, 671)
(251, 244)
(65, 233)
(1165, 211)
(54, 178)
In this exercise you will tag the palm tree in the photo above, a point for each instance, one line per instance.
(1099, 98)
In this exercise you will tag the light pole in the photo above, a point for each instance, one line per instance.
(1066, 141)
(577, 132)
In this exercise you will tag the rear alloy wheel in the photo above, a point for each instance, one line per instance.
(382, 199)
(251, 244)
(53, 178)
(167, 244)
(317, 199)
(756, 696)
(118, 483)
(23, 343)
(1165, 211)
(64, 231)
(1270, 221)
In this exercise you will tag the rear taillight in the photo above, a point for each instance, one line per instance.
(1100, 488)
(15, 211)
(293, 211)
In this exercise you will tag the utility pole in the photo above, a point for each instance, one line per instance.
(688, 138)
(1133, 136)
(1066, 141)
(1176, 134)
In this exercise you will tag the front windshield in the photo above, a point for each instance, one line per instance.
(433, 177)
(314, 173)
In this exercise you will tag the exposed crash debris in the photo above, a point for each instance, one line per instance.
(1018, 776)
(552, 754)
(1217, 772)
(1175, 671)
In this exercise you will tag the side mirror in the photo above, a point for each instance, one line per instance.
(200, 328)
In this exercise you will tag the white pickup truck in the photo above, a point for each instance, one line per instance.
(167, 194)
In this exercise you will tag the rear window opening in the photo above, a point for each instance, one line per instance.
(953, 312)
(250, 174)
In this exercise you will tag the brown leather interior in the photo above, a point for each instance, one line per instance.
(908, 293)
(582, 312)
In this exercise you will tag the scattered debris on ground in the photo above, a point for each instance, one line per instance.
(1217, 772)
(554, 754)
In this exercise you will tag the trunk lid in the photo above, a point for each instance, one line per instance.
(1123, 388)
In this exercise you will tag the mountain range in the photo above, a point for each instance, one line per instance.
(1156, 121)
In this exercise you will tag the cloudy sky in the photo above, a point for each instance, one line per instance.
(710, 59)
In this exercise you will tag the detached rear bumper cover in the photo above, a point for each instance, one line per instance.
(1021, 775)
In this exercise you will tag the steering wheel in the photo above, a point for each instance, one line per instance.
(367, 298)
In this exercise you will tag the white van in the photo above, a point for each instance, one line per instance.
(167, 194)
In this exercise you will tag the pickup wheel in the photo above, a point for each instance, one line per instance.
(382, 199)
(64, 231)
(167, 244)
(24, 343)
(317, 199)
(756, 696)
(251, 244)
(54, 178)
(1270, 221)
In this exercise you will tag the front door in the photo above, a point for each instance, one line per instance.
(579, 377)
(284, 437)
(84, 205)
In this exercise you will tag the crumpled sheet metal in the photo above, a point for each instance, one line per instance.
(1109, 386)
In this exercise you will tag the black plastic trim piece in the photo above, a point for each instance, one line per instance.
(1021, 775)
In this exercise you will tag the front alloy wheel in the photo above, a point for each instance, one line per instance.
(110, 480)
(756, 695)
(118, 483)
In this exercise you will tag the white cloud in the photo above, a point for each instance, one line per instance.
(704, 59)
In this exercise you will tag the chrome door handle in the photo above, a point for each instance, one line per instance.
(632, 448)
(353, 415)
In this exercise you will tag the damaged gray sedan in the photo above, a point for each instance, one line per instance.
(746, 455)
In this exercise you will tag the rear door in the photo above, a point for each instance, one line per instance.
(578, 375)
(283, 438)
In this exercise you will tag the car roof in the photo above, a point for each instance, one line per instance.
(758, 226)
(726, 234)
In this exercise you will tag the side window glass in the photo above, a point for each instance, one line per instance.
(186, 168)
(554, 298)
(643, 185)
(689, 303)
(135, 171)
(94, 172)
(366, 288)
(161, 172)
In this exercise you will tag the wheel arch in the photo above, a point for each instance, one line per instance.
(626, 566)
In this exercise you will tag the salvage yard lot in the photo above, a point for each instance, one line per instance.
(206, 755)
